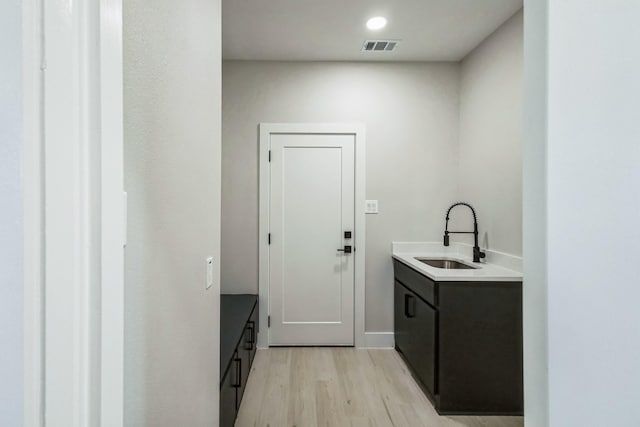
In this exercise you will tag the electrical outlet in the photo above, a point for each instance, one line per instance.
(209, 273)
(371, 207)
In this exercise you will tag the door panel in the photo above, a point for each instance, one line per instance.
(312, 213)
(311, 206)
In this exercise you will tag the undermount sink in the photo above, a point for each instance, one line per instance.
(447, 264)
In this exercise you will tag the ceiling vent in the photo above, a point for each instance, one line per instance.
(379, 45)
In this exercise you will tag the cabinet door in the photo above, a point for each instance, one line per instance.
(416, 331)
(243, 369)
(423, 331)
(228, 397)
(401, 322)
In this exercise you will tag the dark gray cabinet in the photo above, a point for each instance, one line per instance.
(462, 341)
(238, 338)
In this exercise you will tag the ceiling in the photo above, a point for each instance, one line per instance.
(334, 30)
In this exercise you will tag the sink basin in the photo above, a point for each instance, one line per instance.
(447, 264)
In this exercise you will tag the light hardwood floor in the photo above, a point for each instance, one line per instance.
(309, 387)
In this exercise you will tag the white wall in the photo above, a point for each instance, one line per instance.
(411, 114)
(172, 175)
(534, 219)
(11, 237)
(490, 145)
(585, 148)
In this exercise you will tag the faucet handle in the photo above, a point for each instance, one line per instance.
(478, 254)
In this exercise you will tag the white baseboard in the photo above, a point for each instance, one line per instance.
(379, 340)
(371, 340)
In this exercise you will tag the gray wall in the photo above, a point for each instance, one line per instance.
(411, 114)
(11, 296)
(490, 146)
(582, 189)
(172, 175)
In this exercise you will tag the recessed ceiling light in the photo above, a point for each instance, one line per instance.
(376, 23)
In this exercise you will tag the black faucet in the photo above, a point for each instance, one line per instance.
(477, 253)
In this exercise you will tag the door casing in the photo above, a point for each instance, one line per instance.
(73, 213)
(358, 131)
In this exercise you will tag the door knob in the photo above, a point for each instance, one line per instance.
(346, 249)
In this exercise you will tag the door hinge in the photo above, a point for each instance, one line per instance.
(269, 238)
(269, 155)
(268, 321)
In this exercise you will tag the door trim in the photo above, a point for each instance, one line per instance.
(33, 212)
(73, 213)
(356, 129)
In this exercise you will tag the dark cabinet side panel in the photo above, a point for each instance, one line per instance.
(480, 349)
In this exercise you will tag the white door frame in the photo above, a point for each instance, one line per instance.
(356, 129)
(73, 213)
(33, 212)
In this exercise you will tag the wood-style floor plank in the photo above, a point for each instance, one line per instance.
(336, 387)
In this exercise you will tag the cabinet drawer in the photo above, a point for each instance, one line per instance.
(416, 282)
(251, 334)
(243, 373)
(228, 397)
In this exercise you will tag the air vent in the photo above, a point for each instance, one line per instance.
(379, 45)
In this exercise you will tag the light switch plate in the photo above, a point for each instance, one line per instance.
(371, 207)
(209, 273)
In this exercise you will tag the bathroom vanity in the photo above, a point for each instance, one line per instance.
(460, 329)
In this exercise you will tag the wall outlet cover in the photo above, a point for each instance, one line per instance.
(371, 207)
(209, 273)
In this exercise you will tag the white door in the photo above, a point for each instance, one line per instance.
(311, 276)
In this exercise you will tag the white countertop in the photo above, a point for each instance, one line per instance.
(496, 267)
